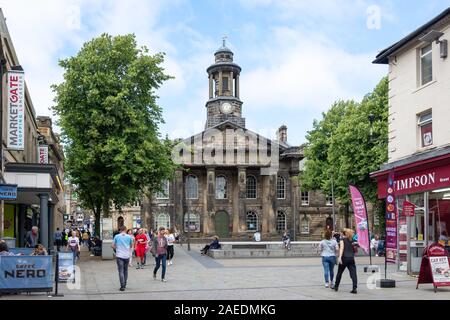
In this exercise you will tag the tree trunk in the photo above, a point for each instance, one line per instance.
(346, 214)
(97, 223)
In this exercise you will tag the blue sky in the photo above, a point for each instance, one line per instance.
(297, 56)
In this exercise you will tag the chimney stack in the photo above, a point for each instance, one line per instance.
(282, 134)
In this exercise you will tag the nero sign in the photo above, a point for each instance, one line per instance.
(26, 273)
(16, 110)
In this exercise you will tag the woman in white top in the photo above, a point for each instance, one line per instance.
(130, 233)
(328, 248)
(170, 237)
(73, 243)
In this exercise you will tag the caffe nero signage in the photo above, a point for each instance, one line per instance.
(8, 191)
(421, 181)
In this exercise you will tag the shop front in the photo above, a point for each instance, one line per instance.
(424, 183)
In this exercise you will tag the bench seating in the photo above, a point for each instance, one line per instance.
(265, 249)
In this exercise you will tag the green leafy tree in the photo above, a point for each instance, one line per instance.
(345, 147)
(109, 120)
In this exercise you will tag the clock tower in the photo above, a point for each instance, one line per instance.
(224, 103)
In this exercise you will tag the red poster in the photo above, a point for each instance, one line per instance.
(408, 209)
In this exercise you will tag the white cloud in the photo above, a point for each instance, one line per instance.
(306, 71)
(45, 31)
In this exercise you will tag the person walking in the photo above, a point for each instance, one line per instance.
(347, 259)
(160, 252)
(147, 247)
(140, 248)
(85, 238)
(122, 244)
(170, 249)
(328, 248)
(130, 233)
(73, 243)
(58, 239)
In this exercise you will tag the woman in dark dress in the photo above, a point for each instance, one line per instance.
(347, 259)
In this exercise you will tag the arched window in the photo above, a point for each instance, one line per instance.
(281, 221)
(164, 194)
(304, 225)
(281, 188)
(192, 222)
(252, 221)
(221, 187)
(250, 187)
(191, 187)
(161, 220)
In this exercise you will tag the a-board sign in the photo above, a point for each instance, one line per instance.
(440, 271)
(66, 269)
(434, 267)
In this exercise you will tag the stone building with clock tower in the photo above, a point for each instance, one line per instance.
(233, 181)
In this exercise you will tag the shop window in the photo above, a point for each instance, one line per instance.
(192, 222)
(425, 124)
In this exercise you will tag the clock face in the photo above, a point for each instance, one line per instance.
(226, 107)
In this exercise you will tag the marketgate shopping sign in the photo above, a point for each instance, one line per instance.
(15, 110)
(26, 272)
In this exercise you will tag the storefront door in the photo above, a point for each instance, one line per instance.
(417, 232)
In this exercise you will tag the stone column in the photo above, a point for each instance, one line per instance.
(210, 194)
(203, 199)
(237, 86)
(273, 205)
(51, 231)
(220, 83)
(230, 84)
(211, 86)
(295, 199)
(178, 196)
(21, 229)
(43, 220)
(265, 197)
(241, 214)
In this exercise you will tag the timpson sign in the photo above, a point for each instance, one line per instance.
(16, 110)
(421, 181)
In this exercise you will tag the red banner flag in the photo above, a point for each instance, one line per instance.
(360, 212)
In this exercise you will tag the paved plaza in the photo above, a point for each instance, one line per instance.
(194, 276)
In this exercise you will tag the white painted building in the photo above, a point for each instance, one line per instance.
(419, 138)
